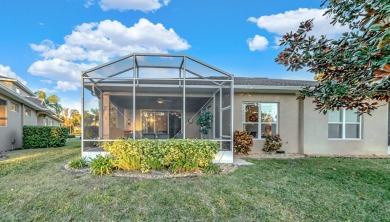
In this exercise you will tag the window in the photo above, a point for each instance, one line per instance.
(344, 124)
(28, 112)
(14, 107)
(18, 90)
(3, 112)
(260, 119)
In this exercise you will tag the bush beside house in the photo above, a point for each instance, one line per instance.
(44, 136)
(178, 155)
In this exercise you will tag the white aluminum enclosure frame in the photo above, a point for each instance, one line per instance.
(98, 79)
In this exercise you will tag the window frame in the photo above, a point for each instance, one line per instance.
(27, 112)
(259, 122)
(5, 118)
(16, 106)
(343, 124)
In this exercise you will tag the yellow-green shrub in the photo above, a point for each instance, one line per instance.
(179, 155)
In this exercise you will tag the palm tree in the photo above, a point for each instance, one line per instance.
(71, 119)
(52, 101)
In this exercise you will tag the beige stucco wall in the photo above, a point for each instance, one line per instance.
(304, 130)
(29, 120)
(13, 130)
(288, 126)
(315, 128)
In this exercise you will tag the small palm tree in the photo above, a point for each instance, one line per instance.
(52, 101)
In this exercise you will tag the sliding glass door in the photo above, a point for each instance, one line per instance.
(162, 124)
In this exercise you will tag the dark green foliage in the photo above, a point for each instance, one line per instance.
(204, 121)
(71, 136)
(101, 165)
(176, 155)
(44, 136)
(272, 143)
(212, 168)
(243, 142)
(79, 162)
(353, 71)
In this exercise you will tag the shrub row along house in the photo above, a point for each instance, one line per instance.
(19, 106)
(159, 96)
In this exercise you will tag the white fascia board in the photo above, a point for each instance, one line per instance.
(11, 94)
(254, 88)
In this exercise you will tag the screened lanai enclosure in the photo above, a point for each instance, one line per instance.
(156, 96)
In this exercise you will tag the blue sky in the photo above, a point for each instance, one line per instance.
(47, 43)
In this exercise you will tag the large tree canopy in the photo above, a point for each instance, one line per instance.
(353, 71)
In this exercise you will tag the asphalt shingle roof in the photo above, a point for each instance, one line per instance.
(272, 82)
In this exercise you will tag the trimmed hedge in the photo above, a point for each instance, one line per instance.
(176, 155)
(44, 136)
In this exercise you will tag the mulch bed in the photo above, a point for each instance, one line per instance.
(153, 174)
(260, 156)
(371, 156)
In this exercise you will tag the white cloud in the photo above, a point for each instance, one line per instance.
(141, 5)
(46, 81)
(288, 21)
(89, 3)
(59, 69)
(7, 72)
(47, 91)
(71, 104)
(257, 43)
(99, 42)
(66, 86)
(90, 44)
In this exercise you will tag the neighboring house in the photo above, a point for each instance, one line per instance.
(160, 96)
(19, 107)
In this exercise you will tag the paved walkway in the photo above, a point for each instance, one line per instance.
(240, 162)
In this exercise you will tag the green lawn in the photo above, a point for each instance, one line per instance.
(34, 188)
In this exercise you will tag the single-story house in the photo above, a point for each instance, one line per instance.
(160, 96)
(19, 106)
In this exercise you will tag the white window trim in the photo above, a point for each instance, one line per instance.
(27, 112)
(343, 125)
(16, 107)
(259, 123)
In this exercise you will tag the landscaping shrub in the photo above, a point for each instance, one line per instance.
(71, 136)
(44, 136)
(212, 168)
(243, 142)
(101, 165)
(79, 162)
(178, 155)
(272, 143)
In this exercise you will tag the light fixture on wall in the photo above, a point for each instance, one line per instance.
(128, 122)
(162, 101)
